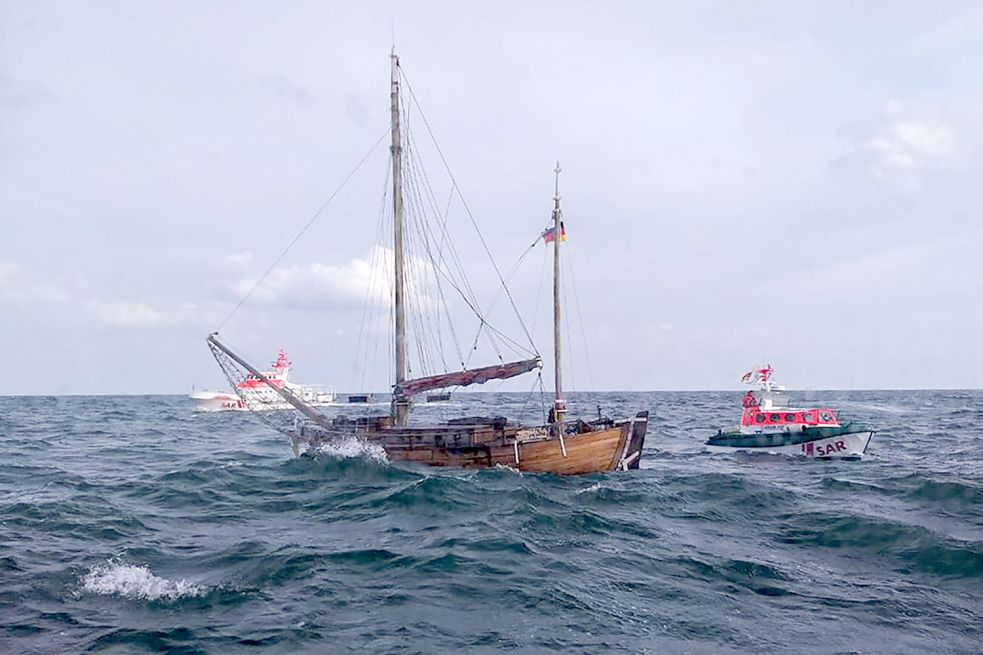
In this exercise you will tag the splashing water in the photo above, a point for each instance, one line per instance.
(351, 447)
(135, 582)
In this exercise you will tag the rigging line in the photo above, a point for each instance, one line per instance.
(569, 340)
(508, 276)
(431, 196)
(388, 321)
(383, 323)
(414, 178)
(410, 297)
(474, 346)
(506, 340)
(415, 302)
(426, 323)
(467, 209)
(471, 298)
(379, 285)
(484, 324)
(580, 317)
(539, 289)
(468, 298)
(447, 212)
(542, 397)
(303, 230)
(487, 164)
(418, 215)
(528, 400)
(444, 237)
(373, 273)
(375, 321)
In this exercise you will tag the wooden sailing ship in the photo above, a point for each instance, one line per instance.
(561, 445)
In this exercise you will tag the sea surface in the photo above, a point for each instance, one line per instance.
(133, 524)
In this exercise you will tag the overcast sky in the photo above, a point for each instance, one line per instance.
(793, 183)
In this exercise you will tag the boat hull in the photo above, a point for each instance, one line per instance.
(617, 447)
(217, 401)
(846, 442)
(212, 401)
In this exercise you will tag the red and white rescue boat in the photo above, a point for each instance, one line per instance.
(770, 424)
(253, 393)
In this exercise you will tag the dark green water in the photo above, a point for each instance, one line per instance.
(130, 524)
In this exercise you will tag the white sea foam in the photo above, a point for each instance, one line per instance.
(597, 486)
(506, 467)
(120, 579)
(351, 446)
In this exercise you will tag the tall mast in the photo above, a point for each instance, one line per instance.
(400, 404)
(559, 407)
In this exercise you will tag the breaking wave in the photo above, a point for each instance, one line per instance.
(352, 447)
(116, 578)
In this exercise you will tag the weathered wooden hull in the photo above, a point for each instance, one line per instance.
(590, 450)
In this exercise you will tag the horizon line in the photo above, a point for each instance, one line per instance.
(478, 391)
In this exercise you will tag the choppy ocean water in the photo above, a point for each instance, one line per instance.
(132, 524)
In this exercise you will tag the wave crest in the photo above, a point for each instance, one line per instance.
(352, 447)
(137, 582)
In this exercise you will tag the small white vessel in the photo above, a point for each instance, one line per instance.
(253, 393)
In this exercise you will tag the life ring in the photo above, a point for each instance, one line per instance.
(825, 417)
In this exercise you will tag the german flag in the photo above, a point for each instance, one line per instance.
(549, 233)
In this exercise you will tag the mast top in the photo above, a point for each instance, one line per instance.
(556, 191)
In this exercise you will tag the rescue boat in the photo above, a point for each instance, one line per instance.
(770, 424)
(260, 395)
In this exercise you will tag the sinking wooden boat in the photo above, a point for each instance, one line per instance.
(560, 445)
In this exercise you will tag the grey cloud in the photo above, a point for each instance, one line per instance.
(288, 89)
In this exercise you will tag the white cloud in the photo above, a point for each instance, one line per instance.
(240, 259)
(957, 30)
(14, 286)
(8, 270)
(316, 285)
(902, 147)
(130, 315)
